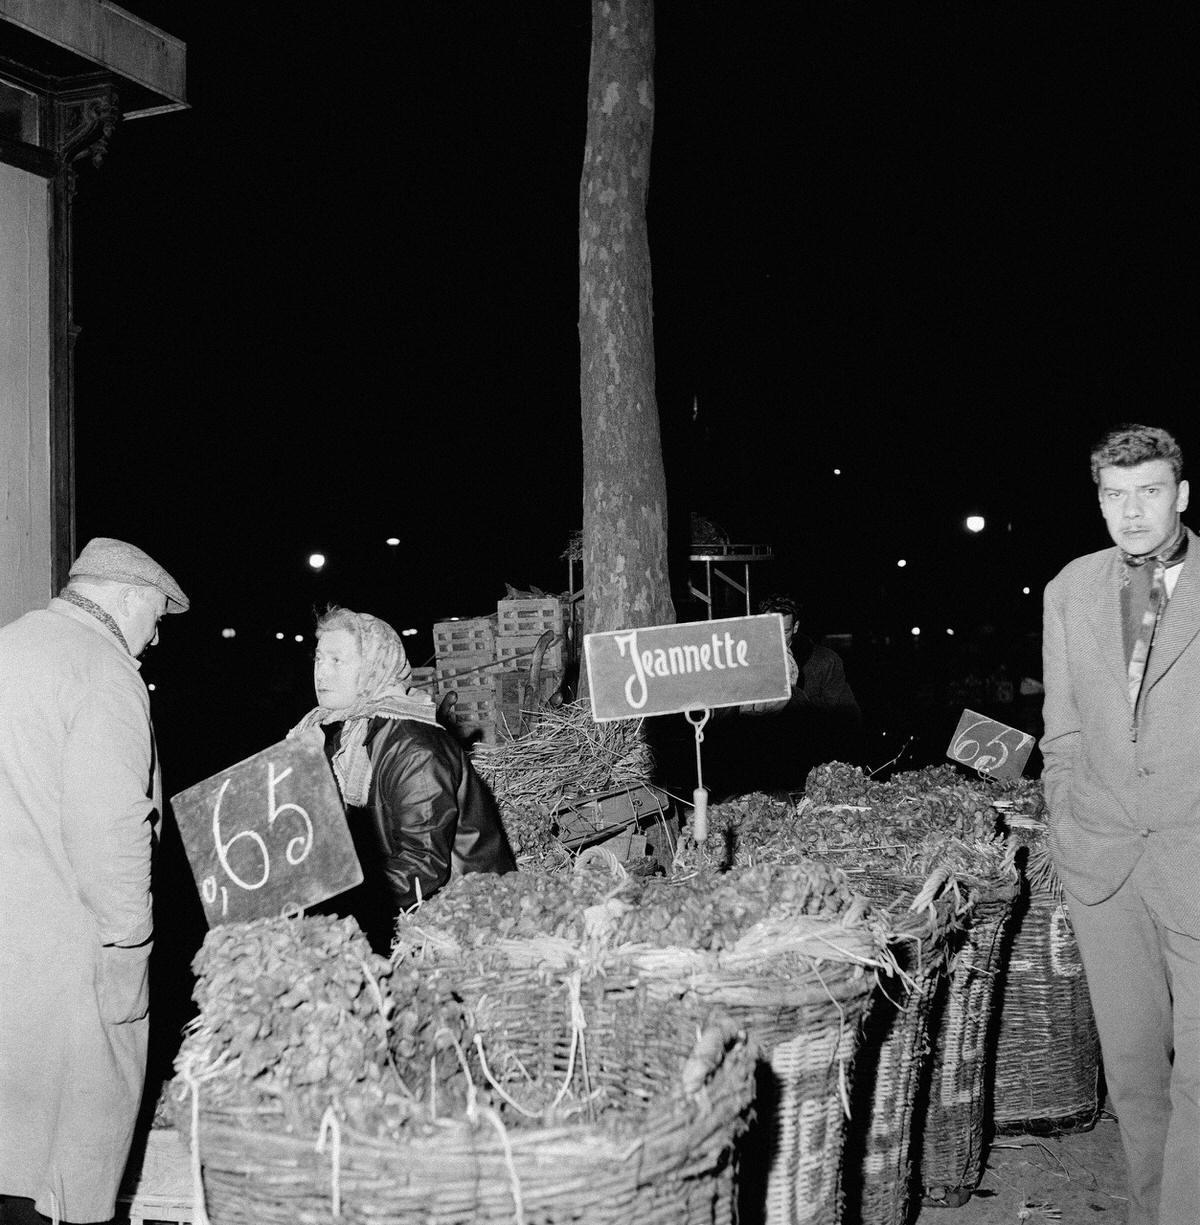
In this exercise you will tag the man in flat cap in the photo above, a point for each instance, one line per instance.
(79, 795)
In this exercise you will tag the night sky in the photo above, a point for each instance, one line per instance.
(939, 247)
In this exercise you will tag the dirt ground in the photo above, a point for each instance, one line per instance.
(1073, 1179)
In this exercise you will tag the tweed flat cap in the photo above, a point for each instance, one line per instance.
(105, 558)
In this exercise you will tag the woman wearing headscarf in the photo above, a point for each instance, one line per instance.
(417, 811)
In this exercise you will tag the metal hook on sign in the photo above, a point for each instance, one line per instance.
(700, 795)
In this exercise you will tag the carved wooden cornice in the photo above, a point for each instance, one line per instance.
(84, 122)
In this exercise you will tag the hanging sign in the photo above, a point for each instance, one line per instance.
(669, 669)
(267, 834)
(989, 746)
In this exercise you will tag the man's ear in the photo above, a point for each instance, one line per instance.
(1181, 501)
(125, 600)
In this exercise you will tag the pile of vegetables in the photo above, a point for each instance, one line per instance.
(599, 908)
(298, 1016)
(935, 824)
(565, 753)
(300, 1022)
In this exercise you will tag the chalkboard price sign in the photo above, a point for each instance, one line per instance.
(989, 746)
(267, 834)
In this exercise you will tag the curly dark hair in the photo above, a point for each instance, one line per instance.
(778, 602)
(1129, 445)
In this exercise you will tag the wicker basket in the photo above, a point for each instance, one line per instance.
(806, 1015)
(959, 1104)
(1048, 1071)
(659, 1148)
(892, 1063)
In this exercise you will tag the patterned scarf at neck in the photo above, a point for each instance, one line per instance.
(1143, 598)
(90, 606)
(383, 693)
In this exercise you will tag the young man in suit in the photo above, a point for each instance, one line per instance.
(1121, 647)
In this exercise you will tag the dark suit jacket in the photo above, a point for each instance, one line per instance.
(1122, 783)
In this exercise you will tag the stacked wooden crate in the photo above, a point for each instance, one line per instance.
(423, 678)
(487, 661)
(465, 661)
(520, 624)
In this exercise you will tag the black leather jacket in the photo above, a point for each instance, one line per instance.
(428, 818)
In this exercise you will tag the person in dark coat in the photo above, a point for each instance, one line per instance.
(417, 811)
(820, 721)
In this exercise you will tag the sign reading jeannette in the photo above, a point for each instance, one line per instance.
(670, 669)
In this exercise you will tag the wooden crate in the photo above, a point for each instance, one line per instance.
(475, 710)
(466, 672)
(470, 636)
(522, 618)
(589, 818)
(162, 1189)
(517, 652)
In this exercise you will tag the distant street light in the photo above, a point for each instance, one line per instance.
(299, 637)
(279, 637)
(393, 541)
(316, 560)
(916, 631)
(902, 563)
(228, 633)
(975, 523)
(407, 633)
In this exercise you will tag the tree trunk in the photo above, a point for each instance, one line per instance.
(625, 577)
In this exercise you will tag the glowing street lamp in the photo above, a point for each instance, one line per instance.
(974, 523)
(316, 561)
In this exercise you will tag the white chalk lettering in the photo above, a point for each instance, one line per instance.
(720, 652)
(629, 641)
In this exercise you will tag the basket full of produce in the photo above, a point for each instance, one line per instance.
(320, 1082)
(787, 951)
(1048, 1068)
(920, 883)
(940, 822)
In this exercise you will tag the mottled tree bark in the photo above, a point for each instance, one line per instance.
(625, 578)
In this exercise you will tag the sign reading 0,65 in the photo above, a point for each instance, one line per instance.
(669, 669)
(267, 834)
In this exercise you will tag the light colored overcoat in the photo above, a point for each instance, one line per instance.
(78, 790)
(1123, 782)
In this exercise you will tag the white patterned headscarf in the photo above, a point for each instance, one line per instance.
(383, 693)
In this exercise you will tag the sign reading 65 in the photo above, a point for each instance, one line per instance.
(267, 834)
(989, 746)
